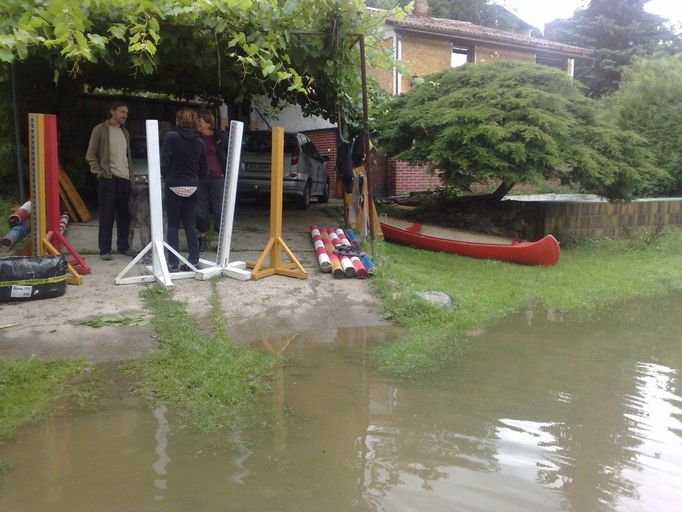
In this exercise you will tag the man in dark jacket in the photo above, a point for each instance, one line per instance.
(111, 161)
(183, 163)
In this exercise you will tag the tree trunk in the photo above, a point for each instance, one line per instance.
(501, 191)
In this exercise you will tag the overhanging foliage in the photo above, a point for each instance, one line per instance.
(227, 48)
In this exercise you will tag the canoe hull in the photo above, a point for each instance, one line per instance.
(545, 251)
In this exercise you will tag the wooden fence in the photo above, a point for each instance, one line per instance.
(588, 217)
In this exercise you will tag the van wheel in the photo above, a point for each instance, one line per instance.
(324, 198)
(304, 200)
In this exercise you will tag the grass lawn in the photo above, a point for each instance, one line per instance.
(589, 276)
(199, 368)
(31, 388)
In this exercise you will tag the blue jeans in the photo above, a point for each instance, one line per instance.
(181, 210)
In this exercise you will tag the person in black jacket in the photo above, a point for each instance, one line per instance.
(211, 187)
(183, 163)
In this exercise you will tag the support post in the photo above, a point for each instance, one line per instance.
(159, 269)
(276, 245)
(222, 265)
(44, 180)
(365, 134)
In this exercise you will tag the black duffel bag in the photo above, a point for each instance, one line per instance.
(32, 277)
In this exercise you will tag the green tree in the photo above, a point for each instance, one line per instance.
(511, 123)
(620, 31)
(649, 100)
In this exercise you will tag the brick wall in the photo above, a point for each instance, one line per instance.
(325, 142)
(403, 178)
(595, 219)
(424, 55)
(485, 53)
(383, 76)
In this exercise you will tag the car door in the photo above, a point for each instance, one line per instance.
(316, 165)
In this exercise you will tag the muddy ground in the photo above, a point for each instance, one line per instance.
(270, 307)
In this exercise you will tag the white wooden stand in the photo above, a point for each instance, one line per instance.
(159, 268)
(222, 265)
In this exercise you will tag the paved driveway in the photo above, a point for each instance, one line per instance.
(271, 307)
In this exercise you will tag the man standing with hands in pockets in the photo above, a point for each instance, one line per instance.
(111, 161)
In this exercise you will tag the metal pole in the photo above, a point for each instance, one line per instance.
(17, 136)
(365, 129)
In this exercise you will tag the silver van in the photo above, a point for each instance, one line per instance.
(305, 172)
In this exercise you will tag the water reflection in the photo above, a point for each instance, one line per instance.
(161, 437)
(656, 419)
(546, 412)
(555, 408)
(238, 461)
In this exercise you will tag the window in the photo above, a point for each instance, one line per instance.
(310, 150)
(261, 142)
(460, 56)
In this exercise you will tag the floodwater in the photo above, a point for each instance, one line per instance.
(545, 412)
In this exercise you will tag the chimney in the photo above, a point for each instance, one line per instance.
(421, 8)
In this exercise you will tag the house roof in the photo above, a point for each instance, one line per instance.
(464, 29)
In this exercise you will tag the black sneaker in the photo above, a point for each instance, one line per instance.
(128, 252)
(106, 256)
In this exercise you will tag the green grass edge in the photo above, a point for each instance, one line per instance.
(590, 276)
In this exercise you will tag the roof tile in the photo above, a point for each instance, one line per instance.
(465, 29)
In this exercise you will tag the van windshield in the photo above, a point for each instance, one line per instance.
(261, 142)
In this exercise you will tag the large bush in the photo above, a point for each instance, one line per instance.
(514, 123)
(649, 100)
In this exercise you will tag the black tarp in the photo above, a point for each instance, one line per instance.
(32, 277)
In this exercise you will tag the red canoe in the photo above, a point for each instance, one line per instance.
(435, 238)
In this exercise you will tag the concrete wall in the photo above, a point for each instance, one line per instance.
(291, 118)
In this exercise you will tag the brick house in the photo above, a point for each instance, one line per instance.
(426, 45)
